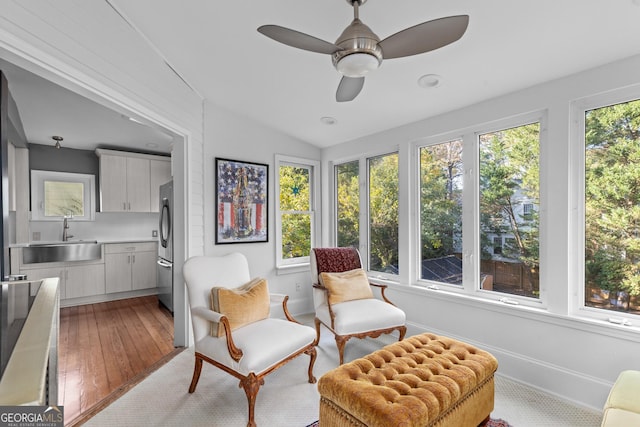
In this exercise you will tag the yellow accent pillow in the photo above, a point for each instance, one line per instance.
(346, 286)
(243, 305)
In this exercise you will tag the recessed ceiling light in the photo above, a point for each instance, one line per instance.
(328, 120)
(430, 81)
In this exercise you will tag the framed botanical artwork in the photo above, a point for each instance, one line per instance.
(241, 201)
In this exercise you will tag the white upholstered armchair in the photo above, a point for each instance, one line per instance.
(238, 336)
(344, 301)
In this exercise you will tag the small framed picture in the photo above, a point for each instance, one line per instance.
(241, 201)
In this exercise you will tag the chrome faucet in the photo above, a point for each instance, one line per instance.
(65, 230)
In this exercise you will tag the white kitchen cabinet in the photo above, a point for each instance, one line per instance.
(129, 181)
(43, 273)
(130, 266)
(113, 183)
(84, 280)
(138, 185)
(160, 174)
(76, 280)
(143, 273)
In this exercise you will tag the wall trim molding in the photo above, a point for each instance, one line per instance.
(574, 387)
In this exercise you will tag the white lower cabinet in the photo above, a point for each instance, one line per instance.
(84, 280)
(130, 266)
(76, 281)
(123, 267)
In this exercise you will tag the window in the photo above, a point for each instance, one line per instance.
(527, 211)
(509, 180)
(55, 195)
(377, 215)
(612, 207)
(347, 178)
(497, 245)
(441, 189)
(383, 213)
(295, 212)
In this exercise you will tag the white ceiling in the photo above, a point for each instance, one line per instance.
(214, 46)
(47, 109)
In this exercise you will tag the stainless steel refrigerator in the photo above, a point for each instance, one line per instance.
(165, 247)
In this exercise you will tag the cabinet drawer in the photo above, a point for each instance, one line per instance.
(116, 248)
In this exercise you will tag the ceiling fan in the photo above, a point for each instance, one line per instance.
(359, 50)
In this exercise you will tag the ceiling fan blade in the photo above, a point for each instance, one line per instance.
(349, 88)
(297, 39)
(424, 37)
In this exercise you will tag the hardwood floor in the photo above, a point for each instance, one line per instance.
(106, 348)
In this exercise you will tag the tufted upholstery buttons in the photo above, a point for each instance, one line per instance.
(414, 382)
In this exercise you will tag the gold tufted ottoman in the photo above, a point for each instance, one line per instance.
(424, 380)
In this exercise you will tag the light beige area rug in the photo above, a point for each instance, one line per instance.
(285, 399)
(288, 400)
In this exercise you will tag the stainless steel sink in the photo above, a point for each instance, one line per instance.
(79, 250)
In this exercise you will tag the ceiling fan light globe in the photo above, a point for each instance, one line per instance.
(357, 64)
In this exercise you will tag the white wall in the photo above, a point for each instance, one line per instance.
(231, 136)
(574, 358)
(108, 226)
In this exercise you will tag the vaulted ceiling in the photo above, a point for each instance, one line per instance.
(509, 45)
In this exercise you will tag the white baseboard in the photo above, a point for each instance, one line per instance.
(571, 386)
(94, 299)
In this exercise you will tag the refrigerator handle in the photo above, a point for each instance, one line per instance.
(165, 218)
(163, 263)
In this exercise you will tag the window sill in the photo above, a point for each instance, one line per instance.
(539, 314)
(292, 269)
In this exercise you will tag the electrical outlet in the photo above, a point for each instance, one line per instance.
(154, 233)
(298, 287)
(36, 236)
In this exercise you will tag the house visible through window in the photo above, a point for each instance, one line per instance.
(509, 174)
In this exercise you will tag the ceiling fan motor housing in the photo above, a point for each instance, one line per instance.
(360, 52)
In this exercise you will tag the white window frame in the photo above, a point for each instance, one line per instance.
(363, 178)
(415, 207)
(471, 281)
(497, 126)
(334, 185)
(374, 273)
(38, 178)
(577, 227)
(314, 183)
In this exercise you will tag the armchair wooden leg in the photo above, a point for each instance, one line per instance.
(340, 343)
(251, 384)
(312, 354)
(317, 322)
(196, 373)
(403, 331)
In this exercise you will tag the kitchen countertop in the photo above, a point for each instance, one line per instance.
(102, 241)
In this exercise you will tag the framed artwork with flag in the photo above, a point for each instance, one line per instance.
(241, 201)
